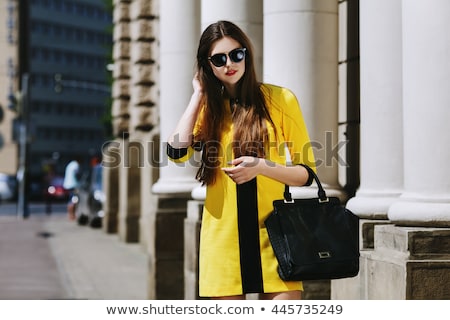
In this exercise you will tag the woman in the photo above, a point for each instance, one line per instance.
(241, 126)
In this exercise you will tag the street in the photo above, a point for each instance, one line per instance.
(51, 257)
(36, 208)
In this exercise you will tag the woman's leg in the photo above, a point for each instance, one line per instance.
(288, 295)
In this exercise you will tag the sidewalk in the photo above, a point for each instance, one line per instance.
(50, 257)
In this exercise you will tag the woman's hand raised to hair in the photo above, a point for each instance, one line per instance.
(181, 137)
(196, 84)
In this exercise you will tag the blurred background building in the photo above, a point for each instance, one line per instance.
(8, 79)
(64, 46)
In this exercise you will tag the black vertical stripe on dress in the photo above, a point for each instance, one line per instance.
(248, 229)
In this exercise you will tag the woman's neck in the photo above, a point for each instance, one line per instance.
(230, 91)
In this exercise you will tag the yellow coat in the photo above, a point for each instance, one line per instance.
(220, 257)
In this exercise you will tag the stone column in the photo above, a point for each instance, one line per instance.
(301, 53)
(192, 225)
(381, 109)
(129, 191)
(410, 258)
(143, 114)
(349, 95)
(149, 174)
(121, 71)
(381, 152)
(179, 34)
(110, 177)
(119, 113)
(144, 34)
(426, 100)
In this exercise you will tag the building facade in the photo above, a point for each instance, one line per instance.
(8, 79)
(374, 99)
(69, 51)
(65, 49)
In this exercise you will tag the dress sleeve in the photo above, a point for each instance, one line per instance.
(183, 154)
(295, 131)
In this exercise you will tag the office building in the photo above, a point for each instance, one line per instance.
(66, 47)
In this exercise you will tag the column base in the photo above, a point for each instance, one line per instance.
(406, 263)
(175, 186)
(128, 229)
(372, 204)
(166, 257)
(110, 222)
(311, 192)
(417, 211)
(192, 225)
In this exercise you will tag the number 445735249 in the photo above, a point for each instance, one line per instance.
(307, 309)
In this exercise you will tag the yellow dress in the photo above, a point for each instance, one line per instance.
(235, 253)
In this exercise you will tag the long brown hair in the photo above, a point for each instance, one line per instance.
(250, 132)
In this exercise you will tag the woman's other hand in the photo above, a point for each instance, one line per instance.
(244, 168)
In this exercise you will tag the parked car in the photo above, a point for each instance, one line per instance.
(90, 198)
(8, 187)
(55, 191)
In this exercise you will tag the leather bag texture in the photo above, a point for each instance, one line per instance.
(314, 239)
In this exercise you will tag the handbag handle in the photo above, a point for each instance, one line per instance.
(321, 193)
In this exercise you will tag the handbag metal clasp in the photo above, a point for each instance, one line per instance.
(324, 254)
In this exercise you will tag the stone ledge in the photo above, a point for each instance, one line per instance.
(418, 243)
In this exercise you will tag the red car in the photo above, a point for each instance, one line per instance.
(55, 190)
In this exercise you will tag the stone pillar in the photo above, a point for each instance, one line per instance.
(381, 152)
(130, 191)
(121, 71)
(144, 34)
(119, 113)
(426, 100)
(110, 176)
(149, 175)
(310, 69)
(144, 69)
(349, 96)
(192, 225)
(179, 34)
(409, 258)
(381, 109)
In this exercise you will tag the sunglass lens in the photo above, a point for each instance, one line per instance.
(237, 55)
(219, 60)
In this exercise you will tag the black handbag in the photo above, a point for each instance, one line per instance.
(314, 239)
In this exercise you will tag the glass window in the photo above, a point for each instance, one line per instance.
(57, 4)
(58, 56)
(69, 6)
(57, 30)
(80, 9)
(79, 35)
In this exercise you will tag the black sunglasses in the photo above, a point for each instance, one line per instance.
(220, 59)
